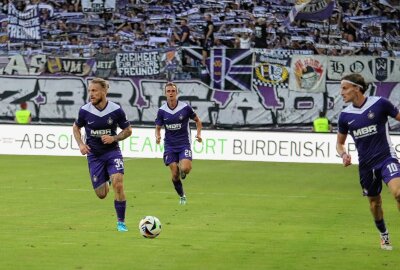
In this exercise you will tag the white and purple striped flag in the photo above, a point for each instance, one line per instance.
(317, 10)
(311, 10)
(299, 5)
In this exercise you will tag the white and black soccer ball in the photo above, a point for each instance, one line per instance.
(150, 227)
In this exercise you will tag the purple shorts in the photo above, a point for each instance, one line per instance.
(102, 167)
(371, 180)
(175, 155)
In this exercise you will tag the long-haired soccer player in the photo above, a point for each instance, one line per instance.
(174, 115)
(100, 118)
(366, 120)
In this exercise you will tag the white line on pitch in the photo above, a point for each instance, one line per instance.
(194, 193)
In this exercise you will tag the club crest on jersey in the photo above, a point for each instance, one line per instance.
(180, 117)
(371, 115)
(110, 121)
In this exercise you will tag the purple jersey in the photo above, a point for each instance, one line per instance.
(176, 123)
(98, 123)
(368, 125)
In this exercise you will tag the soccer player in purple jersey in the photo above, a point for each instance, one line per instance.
(174, 115)
(100, 118)
(366, 120)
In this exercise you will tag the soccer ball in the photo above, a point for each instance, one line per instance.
(150, 227)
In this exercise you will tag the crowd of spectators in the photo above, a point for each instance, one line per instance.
(355, 27)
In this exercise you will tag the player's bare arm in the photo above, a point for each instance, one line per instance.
(397, 117)
(125, 133)
(199, 126)
(341, 149)
(84, 148)
(158, 134)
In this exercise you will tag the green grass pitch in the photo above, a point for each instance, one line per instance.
(240, 215)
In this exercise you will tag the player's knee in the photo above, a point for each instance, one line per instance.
(175, 174)
(397, 195)
(187, 169)
(118, 184)
(101, 194)
(102, 191)
(376, 204)
(175, 177)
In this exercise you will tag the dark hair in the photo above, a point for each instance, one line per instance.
(357, 80)
(23, 105)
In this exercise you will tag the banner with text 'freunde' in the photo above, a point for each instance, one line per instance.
(23, 25)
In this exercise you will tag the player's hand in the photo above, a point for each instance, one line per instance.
(107, 139)
(198, 138)
(158, 139)
(84, 148)
(346, 160)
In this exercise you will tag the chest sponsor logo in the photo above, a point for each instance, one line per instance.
(174, 126)
(365, 131)
(100, 132)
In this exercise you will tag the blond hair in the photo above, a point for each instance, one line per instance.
(170, 84)
(103, 83)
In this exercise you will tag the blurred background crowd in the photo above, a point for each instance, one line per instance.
(368, 27)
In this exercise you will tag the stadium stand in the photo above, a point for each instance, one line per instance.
(353, 27)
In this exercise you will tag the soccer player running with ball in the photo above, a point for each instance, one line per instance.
(174, 115)
(100, 118)
(366, 120)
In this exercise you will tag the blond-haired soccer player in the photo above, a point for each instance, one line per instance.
(101, 117)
